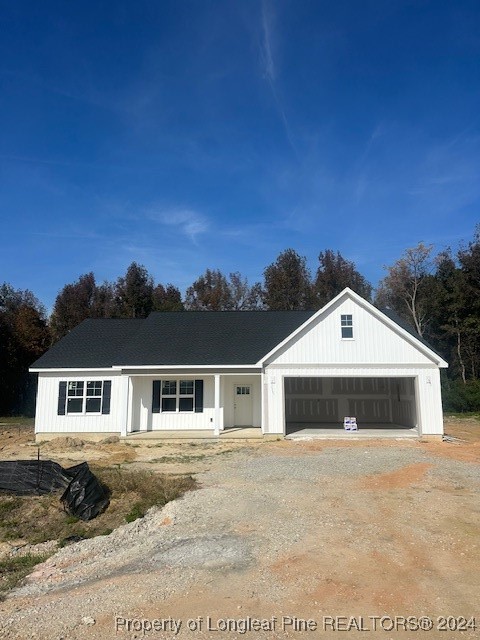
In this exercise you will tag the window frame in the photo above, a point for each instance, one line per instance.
(245, 389)
(178, 395)
(346, 326)
(84, 396)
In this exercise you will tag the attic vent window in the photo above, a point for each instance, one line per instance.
(347, 327)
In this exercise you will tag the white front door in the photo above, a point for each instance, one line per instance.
(243, 405)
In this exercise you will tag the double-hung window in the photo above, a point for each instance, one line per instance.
(347, 326)
(80, 397)
(177, 395)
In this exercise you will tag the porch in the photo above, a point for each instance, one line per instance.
(184, 404)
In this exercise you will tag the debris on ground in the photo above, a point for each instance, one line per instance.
(84, 496)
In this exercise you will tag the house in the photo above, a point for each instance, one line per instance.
(280, 371)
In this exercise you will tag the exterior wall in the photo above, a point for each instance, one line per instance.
(47, 420)
(429, 402)
(131, 404)
(427, 391)
(142, 418)
(373, 342)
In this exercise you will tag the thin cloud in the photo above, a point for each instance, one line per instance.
(269, 67)
(362, 182)
(267, 57)
(188, 221)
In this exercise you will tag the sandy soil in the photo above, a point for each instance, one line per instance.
(337, 533)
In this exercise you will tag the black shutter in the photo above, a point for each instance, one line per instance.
(107, 391)
(198, 396)
(62, 397)
(156, 397)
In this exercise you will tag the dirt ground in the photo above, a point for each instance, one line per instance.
(311, 539)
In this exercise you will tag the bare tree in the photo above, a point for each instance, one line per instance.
(243, 296)
(405, 288)
(213, 291)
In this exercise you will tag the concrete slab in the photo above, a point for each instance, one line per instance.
(335, 431)
(192, 435)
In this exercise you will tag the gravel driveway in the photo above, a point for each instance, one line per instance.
(282, 533)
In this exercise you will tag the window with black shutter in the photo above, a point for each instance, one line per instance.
(177, 396)
(84, 397)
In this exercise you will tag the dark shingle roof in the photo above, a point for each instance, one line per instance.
(95, 343)
(174, 338)
(210, 337)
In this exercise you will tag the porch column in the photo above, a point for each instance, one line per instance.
(216, 426)
(126, 402)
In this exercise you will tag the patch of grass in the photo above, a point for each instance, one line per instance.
(71, 519)
(16, 420)
(182, 457)
(136, 512)
(145, 488)
(188, 457)
(13, 570)
(6, 506)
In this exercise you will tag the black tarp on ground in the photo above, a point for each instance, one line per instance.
(83, 497)
(26, 477)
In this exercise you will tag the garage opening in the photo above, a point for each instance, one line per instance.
(314, 403)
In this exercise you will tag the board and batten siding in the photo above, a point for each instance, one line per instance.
(47, 420)
(144, 420)
(374, 342)
(377, 350)
(427, 391)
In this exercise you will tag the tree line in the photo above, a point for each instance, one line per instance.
(437, 294)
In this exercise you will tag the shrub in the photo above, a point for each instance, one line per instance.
(460, 397)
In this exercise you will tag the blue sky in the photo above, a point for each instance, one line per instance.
(190, 134)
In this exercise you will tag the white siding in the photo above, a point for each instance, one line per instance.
(373, 341)
(144, 420)
(47, 420)
(429, 402)
(427, 388)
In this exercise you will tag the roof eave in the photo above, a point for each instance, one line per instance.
(193, 367)
(67, 369)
